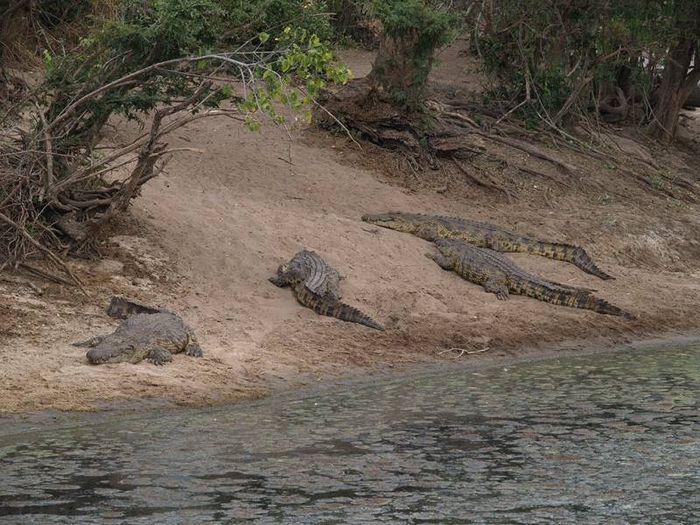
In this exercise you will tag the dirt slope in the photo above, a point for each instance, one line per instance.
(213, 228)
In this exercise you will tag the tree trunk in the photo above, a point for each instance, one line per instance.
(401, 70)
(693, 100)
(677, 83)
(346, 16)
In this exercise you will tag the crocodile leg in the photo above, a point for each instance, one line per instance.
(192, 347)
(442, 261)
(159, 356)
(497, 286)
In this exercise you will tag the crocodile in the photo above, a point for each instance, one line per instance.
(319, 276)
(483, 235)
(315, 285)
(154, 334)
(498, 275)
(120, 308)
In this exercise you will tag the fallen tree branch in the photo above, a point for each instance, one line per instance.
(51, 256)
(47, 175)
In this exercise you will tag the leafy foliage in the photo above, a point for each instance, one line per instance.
(164, 30)
(413, 30)
(575, 56)
(244, 19)
(296, 78)
(162, 62)
(435, 24)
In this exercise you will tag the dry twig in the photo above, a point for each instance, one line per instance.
(464, 351)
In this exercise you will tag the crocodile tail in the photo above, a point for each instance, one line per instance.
(332, 308)
(571, 298)
(569, 253)
(590, 302)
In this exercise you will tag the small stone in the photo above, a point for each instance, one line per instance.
(141, 282)
(109, 267)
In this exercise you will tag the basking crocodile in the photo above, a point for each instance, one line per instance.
(315, 285)
(145, 333)
(484, 235)
(120, 308)
(499, 275)
(318, 276)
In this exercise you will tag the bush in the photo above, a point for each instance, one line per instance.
(162, 62)
(412, 31)
(244, 19)
(572, 58)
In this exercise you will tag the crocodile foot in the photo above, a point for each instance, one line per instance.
(498, 288)
(194, 350)
(160, 356)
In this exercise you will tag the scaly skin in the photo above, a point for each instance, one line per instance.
(152, 336)
(484, 235)
(331, 308)
(317, 274)
(500, 276)
(315, 285)
(120, 308)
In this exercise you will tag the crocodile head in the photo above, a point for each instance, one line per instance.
(282, 278)
(448, 247)
(115, 352)
(393, 220)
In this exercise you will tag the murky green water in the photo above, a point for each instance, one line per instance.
(608, 438)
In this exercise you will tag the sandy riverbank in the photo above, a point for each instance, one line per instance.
(207, 234)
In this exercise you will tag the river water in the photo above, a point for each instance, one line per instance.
(606, 438)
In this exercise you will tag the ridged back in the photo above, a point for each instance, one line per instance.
(120, 308)
(487, 261)
(333, 308)
(309, 268)
(483, 234)
(473, 256)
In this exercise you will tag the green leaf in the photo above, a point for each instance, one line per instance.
(252, 124)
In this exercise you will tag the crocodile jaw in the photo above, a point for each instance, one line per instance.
(391, 221)
(106, 353)
(446, 246)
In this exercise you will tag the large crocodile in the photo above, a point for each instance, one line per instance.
(318, 275)
(315, 285)
(499, 275)
(145, 333)
(484, 235)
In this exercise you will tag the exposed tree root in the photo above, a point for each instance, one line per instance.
(448, 133)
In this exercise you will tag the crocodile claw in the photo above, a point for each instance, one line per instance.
(160, 356)
(194, 350)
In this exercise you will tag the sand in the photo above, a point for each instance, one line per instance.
(205, 236)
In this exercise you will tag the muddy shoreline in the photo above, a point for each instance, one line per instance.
(308, 386)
